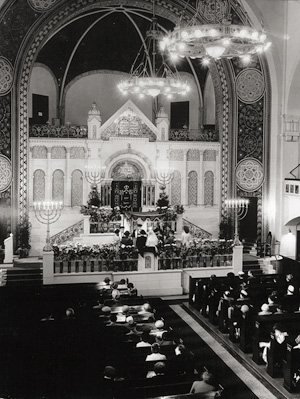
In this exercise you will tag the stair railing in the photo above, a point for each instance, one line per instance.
(197, 231)
(67, 234)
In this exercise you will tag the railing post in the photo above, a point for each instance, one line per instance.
(86, 224)
(237, 259)
(8, 249)
(48, 267)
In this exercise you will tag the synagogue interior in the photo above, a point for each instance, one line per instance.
(149, 199)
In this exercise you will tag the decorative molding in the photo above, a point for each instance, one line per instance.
(5, 173)
(6, 76)
(250, 85)
(249, 174)
(42, 5)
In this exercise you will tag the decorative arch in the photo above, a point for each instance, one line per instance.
(39, 187)
(192, 187)
(76, 188)
(143, 163)
(60, 14)
(58, 185)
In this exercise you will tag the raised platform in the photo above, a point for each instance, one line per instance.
(34, 262)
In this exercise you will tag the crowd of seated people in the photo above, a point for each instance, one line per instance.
(260, 313)
(151, 359)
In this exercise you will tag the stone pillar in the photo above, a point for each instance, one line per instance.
(86, 224)
(184, 180)
(148, 263)
(67, 190)
(200, 181)
(48, 267)
(237, 259)
(48, 182)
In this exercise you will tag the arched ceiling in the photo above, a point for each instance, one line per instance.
(106, 39)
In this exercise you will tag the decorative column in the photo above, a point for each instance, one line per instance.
(67, 191)
(217, 184)
(200, 180)
(48, 182)
(184, 180)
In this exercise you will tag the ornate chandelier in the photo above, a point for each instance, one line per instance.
(219, 39)
(145, 78)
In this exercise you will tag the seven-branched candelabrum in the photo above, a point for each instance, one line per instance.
(47, 213)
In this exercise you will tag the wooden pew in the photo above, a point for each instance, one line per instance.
(263, 326)
(291, 365)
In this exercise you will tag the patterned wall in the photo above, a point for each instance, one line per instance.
(39, 185)
(77, 188)
(208, 188)
(58, 185)
(176, 188)
(192, 188)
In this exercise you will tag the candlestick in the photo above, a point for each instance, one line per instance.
(47, 212)
(240, 209)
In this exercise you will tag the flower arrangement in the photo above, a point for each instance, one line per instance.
(84, 252)
(128, 252)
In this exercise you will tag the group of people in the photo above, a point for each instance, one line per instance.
(169, 355)
(150, 239)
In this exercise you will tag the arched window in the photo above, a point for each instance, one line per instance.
(76, 188)
(176, 189)
(208, 188)
(58, 185)
(38, 185)
(192, 188)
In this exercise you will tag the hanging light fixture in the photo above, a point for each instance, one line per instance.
(220, 39)
(148, 79)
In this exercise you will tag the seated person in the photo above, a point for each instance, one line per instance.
(159, 328)
(290, 301)
(155, 354)
(105, 284)
(183, 361)
(144, 340)
(265, 310)
(167, 338)
(126, 240)
(159, 372)
(131, 290)
(207, 384)
(297, 341)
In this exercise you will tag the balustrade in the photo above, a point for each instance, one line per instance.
(52, 131)
(210, 135)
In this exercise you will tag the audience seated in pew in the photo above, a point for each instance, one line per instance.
(205, 385)
(159, 328)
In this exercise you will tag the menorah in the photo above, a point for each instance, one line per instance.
(164, 177)
(240, 208)
(94, 174)
(47, 213)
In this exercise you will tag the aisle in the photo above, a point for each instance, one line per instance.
(236, 380)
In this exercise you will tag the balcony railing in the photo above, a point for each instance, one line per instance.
(211, 135)
(51, 131)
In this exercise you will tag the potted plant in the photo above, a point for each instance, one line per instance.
(23, 238)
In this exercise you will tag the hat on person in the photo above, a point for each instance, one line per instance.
(244, 293)
(245, 309)
(109, 371)
(106, 309)
(129, 320)
(125, 309)
(291, 289)
(159, 324)
(126, 234)
(265, 307)
(147, 306)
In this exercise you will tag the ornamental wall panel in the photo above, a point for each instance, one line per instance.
(192, 188)
(39, 185)
(77, 188)
(58, 185)
(176, 188)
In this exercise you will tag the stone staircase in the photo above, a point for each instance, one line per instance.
(25, 272)
(253, 263)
